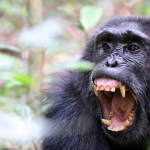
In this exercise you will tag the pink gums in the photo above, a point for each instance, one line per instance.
(107, 82)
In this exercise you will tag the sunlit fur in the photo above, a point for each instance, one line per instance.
(75, 113)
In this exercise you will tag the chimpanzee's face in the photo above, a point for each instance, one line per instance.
(120, 81)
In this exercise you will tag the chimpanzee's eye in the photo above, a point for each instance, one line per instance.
(106, 47)
(133, 48)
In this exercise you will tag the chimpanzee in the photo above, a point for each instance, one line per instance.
(107, 108)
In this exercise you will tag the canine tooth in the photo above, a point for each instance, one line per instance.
(107, 122)
(121, 128)
(127, 124)
(101, 88)
(123, 90)
(107, 88)
(113, 89)
(130, 118)
(110, 127)
(96, 92)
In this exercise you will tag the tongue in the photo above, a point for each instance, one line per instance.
(122, 106)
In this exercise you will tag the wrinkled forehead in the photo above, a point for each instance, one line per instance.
(122, 32)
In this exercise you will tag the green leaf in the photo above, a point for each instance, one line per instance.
(78, 65)
(25, 79)
(12, 84)
(90, 16)
(145, 10)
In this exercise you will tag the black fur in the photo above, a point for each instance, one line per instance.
(74, 113)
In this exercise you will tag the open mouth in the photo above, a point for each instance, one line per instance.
(119, 103)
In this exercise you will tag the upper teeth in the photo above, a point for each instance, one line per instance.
(113, 89)
(101, 88)
(123, 89)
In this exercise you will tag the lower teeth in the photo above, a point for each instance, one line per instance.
(116, 129)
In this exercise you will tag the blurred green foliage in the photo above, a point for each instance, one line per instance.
(90, 16)
(20, 76)
(77, 65)
(145, 10)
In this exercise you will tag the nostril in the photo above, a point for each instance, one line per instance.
(107, 64)
(112, 63)
(115, 64)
